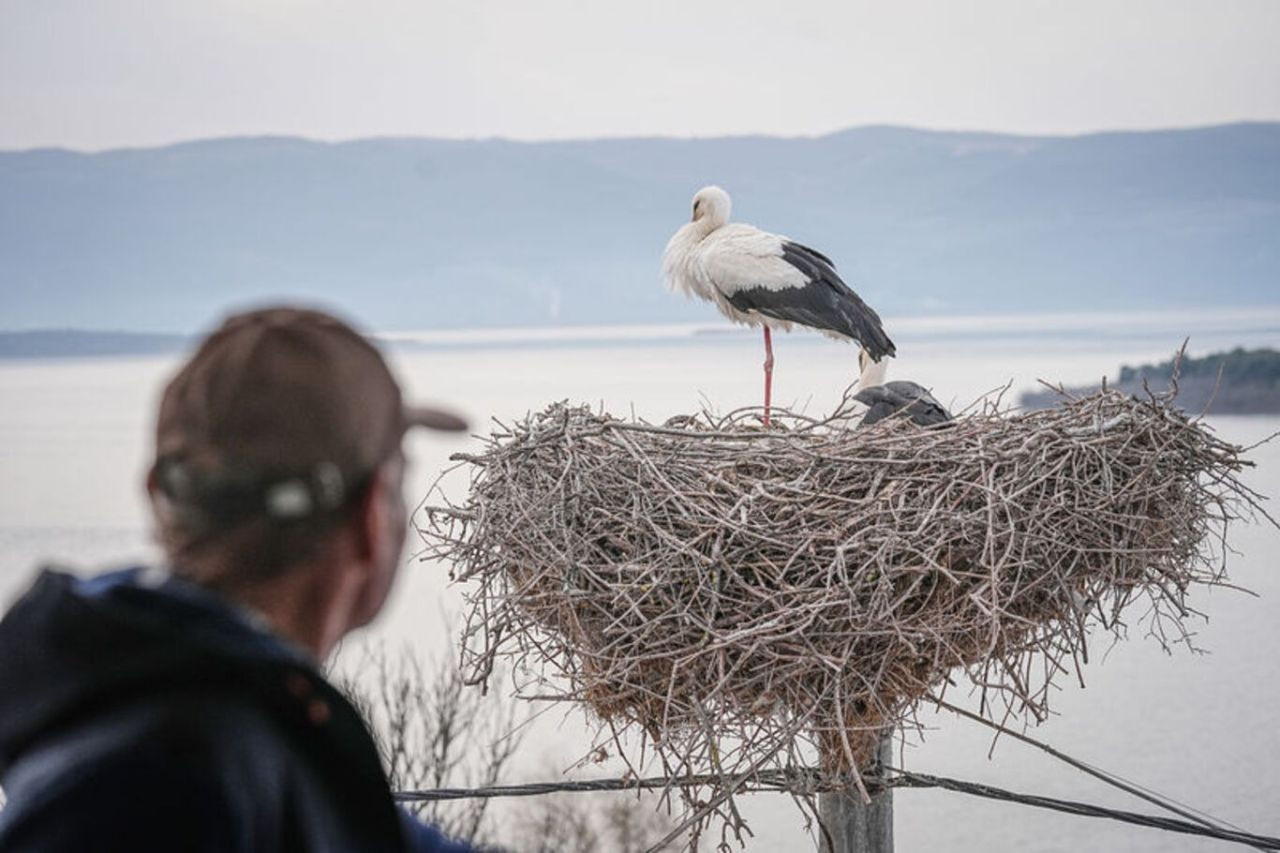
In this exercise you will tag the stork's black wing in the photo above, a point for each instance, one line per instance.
(824, 302)
(901, 397)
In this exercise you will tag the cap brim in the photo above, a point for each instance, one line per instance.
(440, 419)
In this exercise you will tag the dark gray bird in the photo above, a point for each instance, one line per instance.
(904, 399)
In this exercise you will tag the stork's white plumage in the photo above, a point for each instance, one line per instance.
(762, 279)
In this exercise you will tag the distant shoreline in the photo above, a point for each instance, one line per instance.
(83, 343)
(1255, 326)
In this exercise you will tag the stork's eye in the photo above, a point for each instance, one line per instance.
(696, 204)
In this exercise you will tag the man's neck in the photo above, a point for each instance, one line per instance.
(308, 606)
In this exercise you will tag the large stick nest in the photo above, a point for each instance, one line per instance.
(757, 599)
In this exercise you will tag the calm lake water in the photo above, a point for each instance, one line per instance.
(74, 440)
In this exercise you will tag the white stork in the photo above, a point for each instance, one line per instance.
(762, 279)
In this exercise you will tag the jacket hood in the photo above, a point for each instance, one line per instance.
(70, 645)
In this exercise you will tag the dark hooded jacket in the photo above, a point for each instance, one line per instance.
(142, 713)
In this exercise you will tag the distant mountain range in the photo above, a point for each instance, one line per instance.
(421, 233)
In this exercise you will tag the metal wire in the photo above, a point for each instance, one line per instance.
(791, 781)
(908, 779)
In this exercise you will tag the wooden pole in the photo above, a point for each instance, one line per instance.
(855, 826)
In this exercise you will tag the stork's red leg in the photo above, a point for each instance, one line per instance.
(768, 373)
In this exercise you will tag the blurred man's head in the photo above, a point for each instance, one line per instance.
(278, 450)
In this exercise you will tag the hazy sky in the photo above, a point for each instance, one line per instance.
(104, 73)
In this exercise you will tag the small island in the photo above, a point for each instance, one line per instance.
(1238, 382)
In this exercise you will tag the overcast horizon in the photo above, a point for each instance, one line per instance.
(638, 136)
(128, 73)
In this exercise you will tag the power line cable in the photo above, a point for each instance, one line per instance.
(806, 781)
(924, 780)
(1114, 779)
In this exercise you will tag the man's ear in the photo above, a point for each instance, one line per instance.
(379, 516)
(371, 515)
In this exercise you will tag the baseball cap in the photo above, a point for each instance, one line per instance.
(281, 412)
